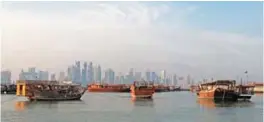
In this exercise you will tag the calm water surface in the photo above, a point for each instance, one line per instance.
(118, 107)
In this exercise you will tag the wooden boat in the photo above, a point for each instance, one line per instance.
(161, 88)
(194, 88)
(220, 90)
(258, 88)
(245, 91)
(142, 89)
(96, 87)
(174, 88)
(49, 90)
(8, 89)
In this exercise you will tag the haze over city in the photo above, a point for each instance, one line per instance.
(181, 37)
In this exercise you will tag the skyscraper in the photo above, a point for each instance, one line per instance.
(61, 76)
(43, 75)
(117, 80)
(153, 76)
(174, 79)
(131, 75)
(109, 76)
(6, 76)
(188, 79)
(138, 76)
(147, 75)
(53, 77)
(90, 74)
(84, 74)
(98, 73)
(163, 76)
(78, 72)
(70, 71)
(122, 79)
(32, 74)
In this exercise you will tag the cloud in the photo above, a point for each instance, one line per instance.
(124, 35)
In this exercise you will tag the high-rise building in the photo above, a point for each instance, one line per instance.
(61, 76)
(127, 79)
(33, 75)
(98, 73)
(131, 77)
(78, 72)
(53, 77)
(30, 75)
(6, 76)
(174, 79)
(122, 79)
(22, 75)
(32, 69)
(163, 76)
(147, 75)
(43, 75)
(138, 76)
(153, 77)
(109, 76)
(188, 79)
(84, 73)
(70, 71)
(90, 74)
(117, 80)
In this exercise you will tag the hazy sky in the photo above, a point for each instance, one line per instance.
(204, 39)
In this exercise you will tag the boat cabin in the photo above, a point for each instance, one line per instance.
(224, 84)
(245, 89)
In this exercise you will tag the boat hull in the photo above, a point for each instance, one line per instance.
(218, 95)
(244, 97)
(142, 93)
(108, 90)
(54, 99)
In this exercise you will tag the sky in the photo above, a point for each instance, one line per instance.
(203, 39)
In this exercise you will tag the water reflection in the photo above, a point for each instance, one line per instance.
(143, 102)
(259, 94)
(20, 105)
(207, 103)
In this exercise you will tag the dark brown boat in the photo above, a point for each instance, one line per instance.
(49, 90)
(220, 90)
(97, 87)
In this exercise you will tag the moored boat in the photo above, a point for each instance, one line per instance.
(194, 88)
(142, 89)
(49, 90)
(220, 90)
(96, 87)
(258, 88)
(245, 91)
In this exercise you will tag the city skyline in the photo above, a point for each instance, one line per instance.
(195, 38)
(109, 75)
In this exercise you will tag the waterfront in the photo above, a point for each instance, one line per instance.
(118, 107)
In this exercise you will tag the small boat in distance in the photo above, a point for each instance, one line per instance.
(49, 90)
(245, 91)
(258, 88)
(142, 89)
(220, 90)
(194, 88)
(98, 87)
